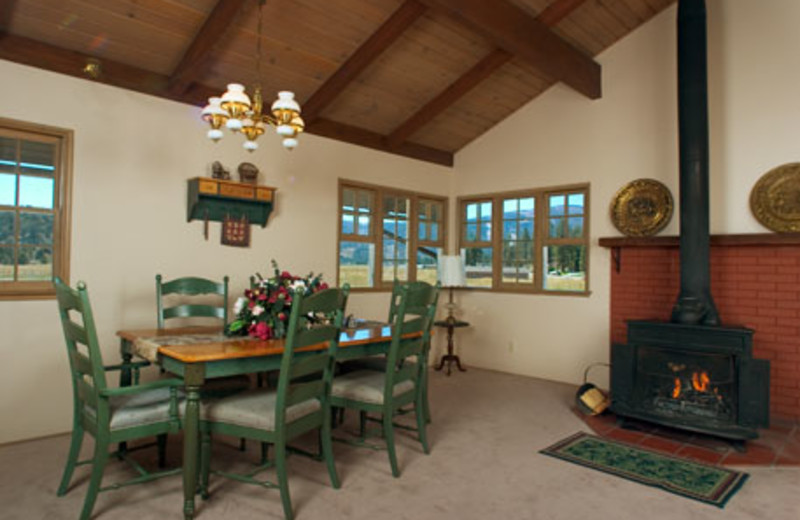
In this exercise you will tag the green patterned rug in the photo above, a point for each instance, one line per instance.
(711, 484)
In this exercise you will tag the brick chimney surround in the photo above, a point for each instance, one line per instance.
(755, 283)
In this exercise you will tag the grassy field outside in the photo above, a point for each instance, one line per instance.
(358, 276)
(27, 273)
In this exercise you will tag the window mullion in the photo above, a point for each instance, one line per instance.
(497, 242)
(541, 225)
(377, 237)
(411, 246)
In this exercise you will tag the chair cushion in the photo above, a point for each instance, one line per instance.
(366, 386)
(149, 407)
(253, 409)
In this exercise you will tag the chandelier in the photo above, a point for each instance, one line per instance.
(240, 114)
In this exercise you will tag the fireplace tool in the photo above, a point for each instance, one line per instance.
(590, 399)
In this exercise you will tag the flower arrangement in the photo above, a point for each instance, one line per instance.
(263, 311)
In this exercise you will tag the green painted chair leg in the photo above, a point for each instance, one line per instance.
(98, 465)
(362, 424)
(327, 452)
(205, 463)
(72, 459)
(283, 482)
(162, 450)
(419, 410)
(264, 452)
(388, 433)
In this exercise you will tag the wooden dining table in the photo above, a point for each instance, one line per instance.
(197, 354)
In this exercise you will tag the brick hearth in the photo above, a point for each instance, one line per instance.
(755, 282)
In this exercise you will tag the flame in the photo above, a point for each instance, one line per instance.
(676, 390)
(700, 381)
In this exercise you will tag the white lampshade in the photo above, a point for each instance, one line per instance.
(451, 271)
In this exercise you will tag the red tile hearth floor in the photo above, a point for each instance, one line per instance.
(777, 446)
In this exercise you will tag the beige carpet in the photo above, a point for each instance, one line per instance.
(484, 464)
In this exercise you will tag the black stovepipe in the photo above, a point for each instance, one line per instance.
(694, 306)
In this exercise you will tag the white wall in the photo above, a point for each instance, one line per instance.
(133, 155)
(563, 138)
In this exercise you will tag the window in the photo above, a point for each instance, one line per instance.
(35, 163)
(387, 234)
(539, 244)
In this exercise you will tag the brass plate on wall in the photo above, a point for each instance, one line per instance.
(775, 199)
(642, 208)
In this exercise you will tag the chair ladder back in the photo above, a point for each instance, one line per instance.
(191, 286)
(308, 375)
(418, 300)
(86, 368)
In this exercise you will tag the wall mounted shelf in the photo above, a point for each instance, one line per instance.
(213, 199)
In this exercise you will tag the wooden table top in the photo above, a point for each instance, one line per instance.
(243, 347)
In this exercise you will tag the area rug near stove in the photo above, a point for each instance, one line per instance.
(703, 482)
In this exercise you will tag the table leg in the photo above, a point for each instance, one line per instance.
(191, 427)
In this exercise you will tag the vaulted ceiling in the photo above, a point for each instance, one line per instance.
(419, 78)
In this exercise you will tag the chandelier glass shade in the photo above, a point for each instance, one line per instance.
(237, 112)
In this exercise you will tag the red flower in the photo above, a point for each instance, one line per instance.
(282, 316)
(286, 275)
(260, 330)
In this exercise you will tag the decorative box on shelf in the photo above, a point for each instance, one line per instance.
(214, 199)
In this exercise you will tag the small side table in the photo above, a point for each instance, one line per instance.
(450, 324)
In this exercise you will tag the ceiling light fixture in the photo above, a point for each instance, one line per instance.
(237, 112)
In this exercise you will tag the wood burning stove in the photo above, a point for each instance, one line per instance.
(697, 378)
(692, 373)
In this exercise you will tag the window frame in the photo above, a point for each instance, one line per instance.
(540, 240)
(375, 236)
(62, 201)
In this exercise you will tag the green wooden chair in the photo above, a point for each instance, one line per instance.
(299, 405)
(379, 362)
(110, 415)
(402, 383)
(191, 286)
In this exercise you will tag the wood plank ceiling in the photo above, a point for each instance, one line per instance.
(418, 78)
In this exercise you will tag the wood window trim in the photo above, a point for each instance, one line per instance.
(541, 219)
(375, 236)
(62, 208)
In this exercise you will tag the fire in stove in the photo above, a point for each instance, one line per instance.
(700, 382)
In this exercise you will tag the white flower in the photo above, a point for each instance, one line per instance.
(238, 307)
(258, 309)
(298, 284)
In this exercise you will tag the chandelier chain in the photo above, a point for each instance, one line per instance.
(261, 4)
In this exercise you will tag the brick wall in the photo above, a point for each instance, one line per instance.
(754, 286)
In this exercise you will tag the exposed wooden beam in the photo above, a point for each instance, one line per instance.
(6, 12)
(198, 53)
(558, 10)
(361, 137)
(553, 14)
(45, 56)
(482, 70)
(513, 30)
(380, 40)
